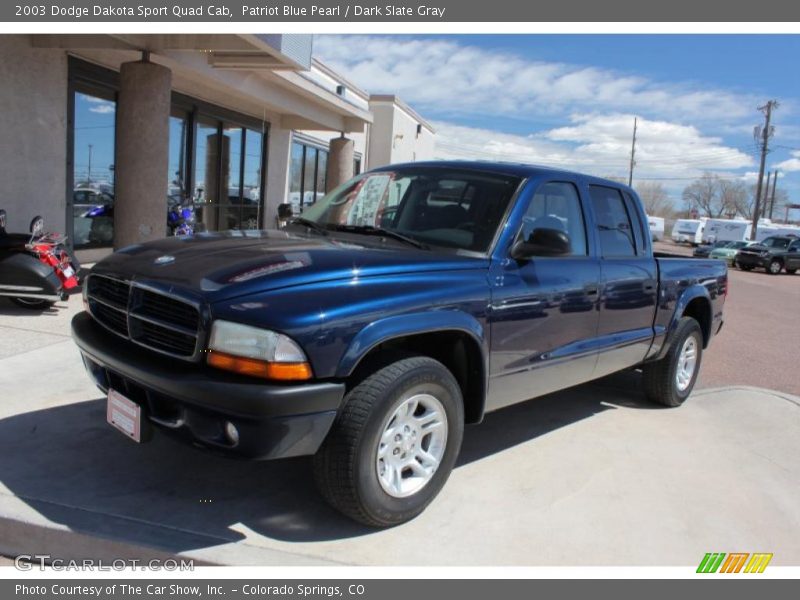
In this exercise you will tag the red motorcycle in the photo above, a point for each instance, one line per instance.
(36, 269)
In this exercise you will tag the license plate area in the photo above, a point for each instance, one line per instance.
(125, 415)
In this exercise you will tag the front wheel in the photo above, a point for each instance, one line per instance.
(774, 267)
(33, 303)
(394, 443)
(670, 380)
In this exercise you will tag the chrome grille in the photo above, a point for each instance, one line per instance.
(145, 316)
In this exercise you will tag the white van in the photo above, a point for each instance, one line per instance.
(688, 231)
(656, 225)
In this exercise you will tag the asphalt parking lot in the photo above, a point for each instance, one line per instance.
(589, 476)
(762, 321)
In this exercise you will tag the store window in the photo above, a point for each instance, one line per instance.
(93, 168)
(227, 190)
(307, 175)
(216, 161)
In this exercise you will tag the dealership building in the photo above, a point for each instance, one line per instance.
(104, 134)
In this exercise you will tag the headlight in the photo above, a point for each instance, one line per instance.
(258, 352)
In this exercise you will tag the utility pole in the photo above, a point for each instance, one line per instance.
(765, 201)
(633, 154)
(89, 172)
(772, 201)
(766, 133)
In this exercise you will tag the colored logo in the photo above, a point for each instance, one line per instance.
(735, 562)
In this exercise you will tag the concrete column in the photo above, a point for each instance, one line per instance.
(340, 162)
(216, 181)
(142, 147)
(280, 143)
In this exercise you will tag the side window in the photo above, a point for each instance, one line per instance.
(613, 222)
(642, 232)
(556, 205)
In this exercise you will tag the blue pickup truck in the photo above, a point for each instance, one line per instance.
(405, 304)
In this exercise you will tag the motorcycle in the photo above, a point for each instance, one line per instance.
(181, 219)
(36, 269)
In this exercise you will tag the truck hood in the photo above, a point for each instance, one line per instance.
(229, 264)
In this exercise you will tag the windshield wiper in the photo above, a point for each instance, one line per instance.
(380, 231)
(310, 224)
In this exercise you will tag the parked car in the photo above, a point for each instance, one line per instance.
(727, 252)
(774, 255)
(704, 250)
(404, 305)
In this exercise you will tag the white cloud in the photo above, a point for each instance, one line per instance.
(790, 164)
(103, 109)
(452, 78)
(599, 144)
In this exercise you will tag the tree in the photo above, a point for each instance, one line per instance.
(746, 205)
(736, 198)
(655, 198)
(704, 195)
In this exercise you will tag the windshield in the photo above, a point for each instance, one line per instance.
(774, 242)
(444, 207)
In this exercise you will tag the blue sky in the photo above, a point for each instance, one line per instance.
(570, 100)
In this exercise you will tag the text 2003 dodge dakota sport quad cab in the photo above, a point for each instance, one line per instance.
(403, 305)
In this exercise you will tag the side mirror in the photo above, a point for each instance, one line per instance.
(285, 211)
(2, 218)
(37, 225)
(542, 242)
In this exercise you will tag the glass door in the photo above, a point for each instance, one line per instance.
(228, 175)
(93, 169)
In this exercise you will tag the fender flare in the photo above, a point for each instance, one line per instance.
(687, 296)
(404, 325)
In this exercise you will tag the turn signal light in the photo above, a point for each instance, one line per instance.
(259, 368)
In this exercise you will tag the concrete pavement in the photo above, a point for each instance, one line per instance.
(590, 476)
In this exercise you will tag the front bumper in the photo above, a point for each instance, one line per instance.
(753, 260)
(194, 402)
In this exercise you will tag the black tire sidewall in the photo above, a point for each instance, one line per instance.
(39, 305)
(438, 382)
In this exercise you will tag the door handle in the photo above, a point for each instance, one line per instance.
(591, 290)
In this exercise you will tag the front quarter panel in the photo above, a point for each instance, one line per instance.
(337, 322)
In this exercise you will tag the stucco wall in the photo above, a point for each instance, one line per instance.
(33, 151)
(407, 145)
(380, 135)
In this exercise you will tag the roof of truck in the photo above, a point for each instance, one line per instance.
(505, 168)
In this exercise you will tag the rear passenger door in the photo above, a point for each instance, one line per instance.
(628, 280)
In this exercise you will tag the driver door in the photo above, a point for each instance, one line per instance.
(544, 311)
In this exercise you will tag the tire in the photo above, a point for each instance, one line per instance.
(347, 467)
(660, 378)
(774, 267)
(746, 267)
(32, 303)
(791, 271)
